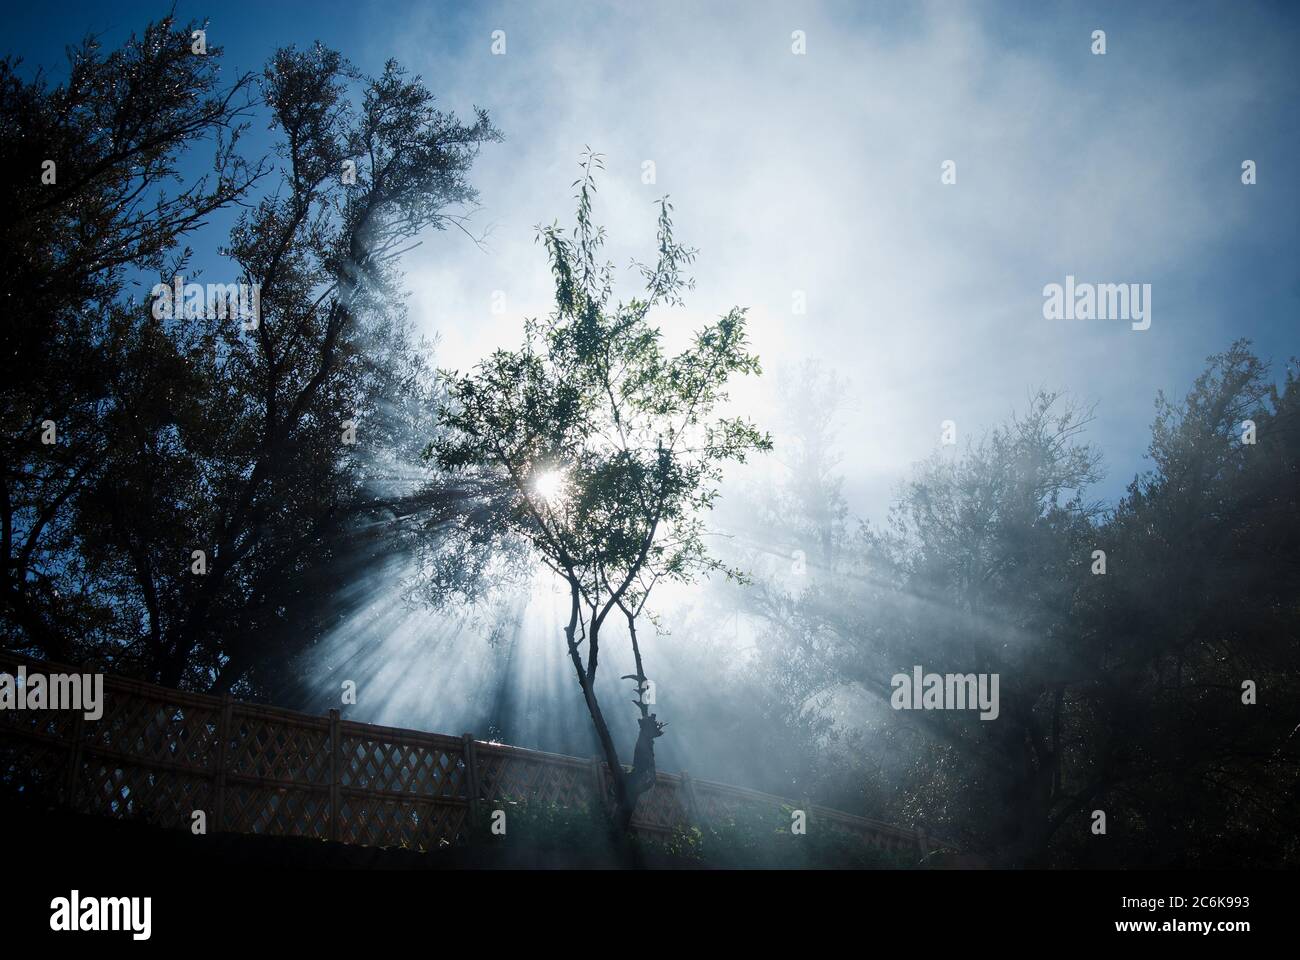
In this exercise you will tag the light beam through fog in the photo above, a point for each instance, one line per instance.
(1022, 291)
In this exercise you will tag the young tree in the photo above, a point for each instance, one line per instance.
(610, 448)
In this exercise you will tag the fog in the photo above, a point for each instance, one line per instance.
(820, 176)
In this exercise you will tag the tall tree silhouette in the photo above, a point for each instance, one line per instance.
(261, 446)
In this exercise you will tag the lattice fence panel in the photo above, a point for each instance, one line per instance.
(32, 768)
(885, 840)
(278, 750)
(417, 769)
(507, 775)
(49, 724)
(661, 808)
(155, 755)
(386, 822)
(277, 811)
(155, 730)
(162, 798)
(718, 804)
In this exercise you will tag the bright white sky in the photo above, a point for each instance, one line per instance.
(821, 173)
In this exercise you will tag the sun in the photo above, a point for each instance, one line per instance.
(549, 486)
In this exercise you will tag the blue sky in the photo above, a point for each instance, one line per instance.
(820, 174)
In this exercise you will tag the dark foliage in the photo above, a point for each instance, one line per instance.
(202, 432)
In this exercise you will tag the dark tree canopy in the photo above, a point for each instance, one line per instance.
(265, 444)
(1121, 691)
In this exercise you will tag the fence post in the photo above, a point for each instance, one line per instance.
(598, 784)
(692, 808)
(74, 758)
(922, 842)
(472, 790)
(336, 774)
(223, 748)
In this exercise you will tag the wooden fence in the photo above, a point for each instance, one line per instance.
(159, 754)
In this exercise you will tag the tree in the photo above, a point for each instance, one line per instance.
(1159, 689)
(609, 447)
(1199, 604)
(797, 528)
(976, 574)
(324, 252)
(988, 554)
(86, 205)
(208, 506)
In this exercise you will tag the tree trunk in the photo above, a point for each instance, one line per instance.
(644, 775)
(616, 773)
(628, 786)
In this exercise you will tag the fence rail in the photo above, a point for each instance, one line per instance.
(160, 754)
